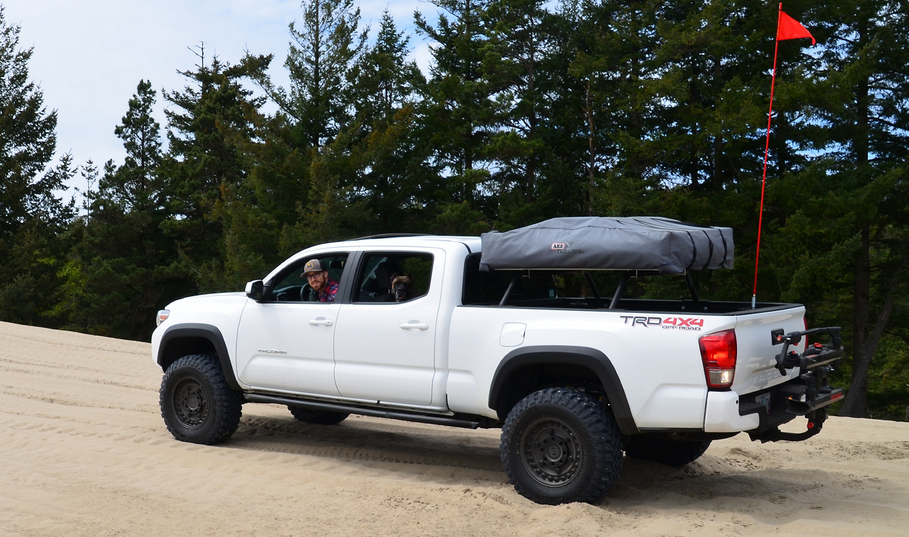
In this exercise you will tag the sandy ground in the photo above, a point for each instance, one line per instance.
(83, 451)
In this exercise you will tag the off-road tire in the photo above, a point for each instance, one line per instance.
(319, 417)
(674, 453)
(196, 403)
(559, 445)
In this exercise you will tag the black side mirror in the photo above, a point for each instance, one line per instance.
(255, 290)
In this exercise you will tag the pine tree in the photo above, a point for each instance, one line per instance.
(610, 49)
(120, 271)
(210, 124)
(519, 42)
(390, 157)
(846, 229)
(139, 186)
(323, 51)
(32, 216)
(456, 105)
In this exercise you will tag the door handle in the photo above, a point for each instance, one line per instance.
(321, 321)
(414, 325)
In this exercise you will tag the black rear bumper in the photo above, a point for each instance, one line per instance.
(807, 395)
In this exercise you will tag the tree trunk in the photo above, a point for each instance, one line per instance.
(856, 402)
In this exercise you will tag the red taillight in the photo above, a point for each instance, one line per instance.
(718, 352)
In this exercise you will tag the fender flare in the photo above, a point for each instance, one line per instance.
(194, 331)
(591, 359)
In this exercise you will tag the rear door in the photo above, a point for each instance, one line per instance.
(385, 349)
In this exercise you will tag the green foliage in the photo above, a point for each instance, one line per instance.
(529, 110)
(324, 48)
(211, 125)
(842, 241)
(457, 110)
(31, 214)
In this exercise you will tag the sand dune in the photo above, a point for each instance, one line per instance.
(83, 451)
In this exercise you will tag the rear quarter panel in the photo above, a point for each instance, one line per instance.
(656, 356)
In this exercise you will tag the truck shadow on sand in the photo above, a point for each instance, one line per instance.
(436, 451)
(374, 441)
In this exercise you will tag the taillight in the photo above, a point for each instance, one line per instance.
(718, 352)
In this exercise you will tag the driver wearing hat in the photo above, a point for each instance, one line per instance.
(320, 282)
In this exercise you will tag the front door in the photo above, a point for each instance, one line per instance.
(286, 342)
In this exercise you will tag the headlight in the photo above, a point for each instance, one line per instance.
(161, 317)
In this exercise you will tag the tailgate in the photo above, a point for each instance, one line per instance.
(758, 344)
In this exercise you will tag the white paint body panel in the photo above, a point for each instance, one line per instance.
(387, 351)
(722, 414)
(288, 347)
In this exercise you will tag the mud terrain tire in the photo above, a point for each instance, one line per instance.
(196, 403)
(559, 445)
(319, 417)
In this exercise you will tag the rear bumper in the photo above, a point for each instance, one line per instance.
(722, 414)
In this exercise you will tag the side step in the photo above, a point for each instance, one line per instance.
(374, 412)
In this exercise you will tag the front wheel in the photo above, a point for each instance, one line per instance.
(559, 445)
(196, 403)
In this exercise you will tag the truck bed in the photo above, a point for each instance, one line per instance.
(640, 305)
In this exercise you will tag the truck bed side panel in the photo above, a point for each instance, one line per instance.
(656, 357)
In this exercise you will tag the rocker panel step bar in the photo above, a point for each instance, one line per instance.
(374, 412)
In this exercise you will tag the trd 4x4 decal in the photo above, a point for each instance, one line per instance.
(668, 323)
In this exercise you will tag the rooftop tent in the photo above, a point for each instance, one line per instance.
(649, 243)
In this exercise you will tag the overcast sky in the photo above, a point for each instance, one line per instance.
(89, 55)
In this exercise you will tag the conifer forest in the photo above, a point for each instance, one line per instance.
(529, 110)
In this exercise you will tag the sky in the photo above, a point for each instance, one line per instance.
(89, 55)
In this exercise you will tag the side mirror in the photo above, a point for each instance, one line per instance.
(255, 290)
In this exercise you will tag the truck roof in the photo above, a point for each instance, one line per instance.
(406, 241)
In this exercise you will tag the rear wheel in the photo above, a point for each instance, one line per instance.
(320, 417)
(196, 403)
(559, 446)
(673, 453)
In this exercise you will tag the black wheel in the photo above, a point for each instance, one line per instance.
(196, 403)
(320, 417)
(560, 446)
(673, 453)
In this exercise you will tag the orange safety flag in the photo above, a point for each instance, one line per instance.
(790, 28)
(786, 28)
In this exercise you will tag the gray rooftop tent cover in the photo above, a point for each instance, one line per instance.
(649, 243)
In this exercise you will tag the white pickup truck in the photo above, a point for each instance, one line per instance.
(573, 377)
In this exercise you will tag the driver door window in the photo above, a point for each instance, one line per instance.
(294, 287)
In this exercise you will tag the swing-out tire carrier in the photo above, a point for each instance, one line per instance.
(807, 395)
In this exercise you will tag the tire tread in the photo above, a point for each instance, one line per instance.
(598, 423)
(226, 404)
